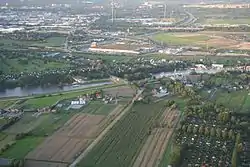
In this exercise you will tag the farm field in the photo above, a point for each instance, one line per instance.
(73, 137)
(180, 38)
(22, 147)
(122, 91)
(121, 145)
(226, 21)
(203, 39)
(26, 124)
(153, 150)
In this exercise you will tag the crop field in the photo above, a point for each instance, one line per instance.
(22, 147)
(180, 38)
(26, 124)
(64, 145)
(122, 144)
(153, 150)
(204, 39)
(122, 91)
(98, 108)
(73, 137)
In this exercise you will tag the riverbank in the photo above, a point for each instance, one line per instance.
(68, 93)
(34, 91)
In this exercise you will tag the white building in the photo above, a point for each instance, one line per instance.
(217, 66)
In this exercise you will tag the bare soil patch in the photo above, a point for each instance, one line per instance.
(243, 46)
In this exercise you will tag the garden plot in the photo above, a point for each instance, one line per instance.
(207, 135)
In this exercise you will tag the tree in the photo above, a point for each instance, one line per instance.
(175, 156)
(207, 131)
(231, 134)
(195, 129)
(190, 128)
(218, 132)
(224, 134)
(201, 130)
(234, 158)
(184, 128)
(212, 132)
(239, 147)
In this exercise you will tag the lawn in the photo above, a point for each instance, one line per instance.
(179, 39)
(227, 21)
(22, 147)
(121, 145)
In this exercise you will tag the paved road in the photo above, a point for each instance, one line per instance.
(104, 132)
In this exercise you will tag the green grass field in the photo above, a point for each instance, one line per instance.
(123, 142)
(22, 147)
(50, 100)
(227, 21)
(27, 65)
(49, 42)
(179, 39)
(238, 100)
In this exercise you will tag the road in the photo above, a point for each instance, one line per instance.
(105, 131)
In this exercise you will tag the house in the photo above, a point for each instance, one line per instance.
(217, 66)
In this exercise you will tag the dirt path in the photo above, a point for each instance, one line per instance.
(103, 133)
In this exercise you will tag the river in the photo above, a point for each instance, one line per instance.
(21, 92)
